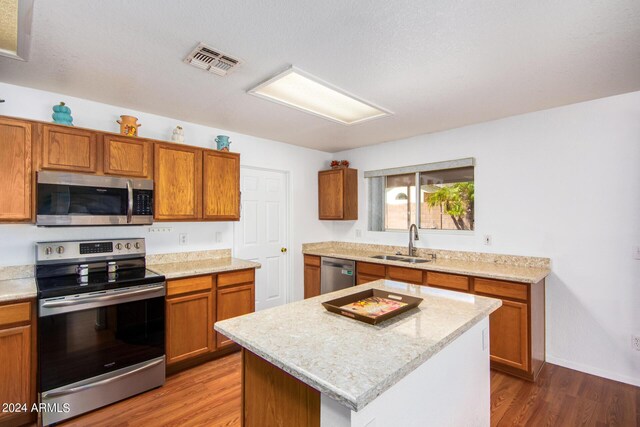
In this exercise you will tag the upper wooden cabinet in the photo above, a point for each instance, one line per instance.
(127, 156)
(69, 149)
(338, 194)
(221, 185)
(177, 173)
(15, 170)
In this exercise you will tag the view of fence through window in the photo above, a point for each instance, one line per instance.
(446, 200)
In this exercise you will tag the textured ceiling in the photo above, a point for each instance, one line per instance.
(437, 64)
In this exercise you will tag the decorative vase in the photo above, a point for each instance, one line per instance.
(223, 142)
(62, 115)
(178, 135)
(128, 125)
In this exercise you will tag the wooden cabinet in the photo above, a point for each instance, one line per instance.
(368, 272)
(69, 149)
(454, 282)
(126, 156)
(17, 360)
(15, 171)
(338, 194)
(177, 173)
(235, 296)
(403, 274)
(509, 335)
(311, 276)
(189, 318)
(221, 186)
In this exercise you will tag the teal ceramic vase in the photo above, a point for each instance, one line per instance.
(62, 115)
(223, 142)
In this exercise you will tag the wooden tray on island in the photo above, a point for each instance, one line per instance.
(372, 306)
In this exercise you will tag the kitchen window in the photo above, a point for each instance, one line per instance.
(434, 196)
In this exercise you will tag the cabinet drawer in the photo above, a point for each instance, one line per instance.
(449, 281)
(500, 288)
(405, 275)
(236, 278)
(312, 260)
(190, 284)
(371, 269)
(15, 313)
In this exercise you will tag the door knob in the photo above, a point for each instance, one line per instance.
(283, 250)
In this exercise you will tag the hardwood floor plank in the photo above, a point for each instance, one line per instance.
(209, 395)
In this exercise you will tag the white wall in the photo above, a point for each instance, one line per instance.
(16, 241)
(562, 183)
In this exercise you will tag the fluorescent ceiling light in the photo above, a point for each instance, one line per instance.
(297, 89)
(15, 28)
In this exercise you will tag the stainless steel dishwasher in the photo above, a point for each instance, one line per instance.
(336, 274)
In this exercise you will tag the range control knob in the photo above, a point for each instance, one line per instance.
(137, 245)
(128, 245)
(119, 246)
(60, 249)
(48, 250)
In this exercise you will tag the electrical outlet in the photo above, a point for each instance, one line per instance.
(487, 239)
(635, 342)
(358, 233)
(183, 238)
(636, 252)
(160, 229)
(218, 236)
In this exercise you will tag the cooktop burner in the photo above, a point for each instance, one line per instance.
(49, 287)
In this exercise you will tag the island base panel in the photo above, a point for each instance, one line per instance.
(271, 397)
(450, 389)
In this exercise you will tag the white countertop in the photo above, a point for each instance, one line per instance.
(175, 270)
(350, 361)
(17, 289)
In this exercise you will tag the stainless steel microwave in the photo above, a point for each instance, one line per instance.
(69, 199)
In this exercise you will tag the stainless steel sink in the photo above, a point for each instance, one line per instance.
(411, 260)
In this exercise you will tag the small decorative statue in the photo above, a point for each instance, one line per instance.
(62, 115)
(178, 135)
(223, 142)
(339, 164)
(129, 125)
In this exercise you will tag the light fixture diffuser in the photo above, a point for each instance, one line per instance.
(297, 89)
(15, 28)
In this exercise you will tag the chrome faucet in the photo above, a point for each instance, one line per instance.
(413, 235)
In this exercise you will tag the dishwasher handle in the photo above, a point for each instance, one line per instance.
(338, 265)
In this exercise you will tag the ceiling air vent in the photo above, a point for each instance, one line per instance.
(212, 60)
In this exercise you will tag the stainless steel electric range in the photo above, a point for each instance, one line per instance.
(101, 325)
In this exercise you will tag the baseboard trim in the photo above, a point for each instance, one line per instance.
(593, 371)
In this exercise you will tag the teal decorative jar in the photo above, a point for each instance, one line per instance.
(62, 115)
(223, 142)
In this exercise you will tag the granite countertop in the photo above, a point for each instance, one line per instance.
(470, 267)
(350, 361)
(174, 270)
(17, 289)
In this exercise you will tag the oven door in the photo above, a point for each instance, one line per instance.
(87, 336)
(66, 199)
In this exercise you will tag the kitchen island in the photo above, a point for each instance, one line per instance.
(303, 365)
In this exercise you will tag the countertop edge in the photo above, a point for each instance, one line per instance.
(433, 267)
(199, 271)
(19, 289)
(359, 402)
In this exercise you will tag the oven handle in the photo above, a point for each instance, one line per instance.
(99, 383)
(54, 304)
(129, 201)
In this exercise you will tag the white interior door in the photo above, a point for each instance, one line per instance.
(261, 234)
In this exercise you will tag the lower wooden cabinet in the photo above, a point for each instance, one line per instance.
(234, 301)
(17, 360)
(311, 276)
(508, 327)
(189, 318)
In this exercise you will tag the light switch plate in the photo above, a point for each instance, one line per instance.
(636, 252)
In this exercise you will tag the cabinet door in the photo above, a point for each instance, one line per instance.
(15, 170)
(407, 275)
(15, 369)
(66, 148)
(231, 302)
(364, 278)
(311, 281)
(178, 182)
(189, 326)
(127, 156)
(331, 194)
(508, 328)
(221, 185)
